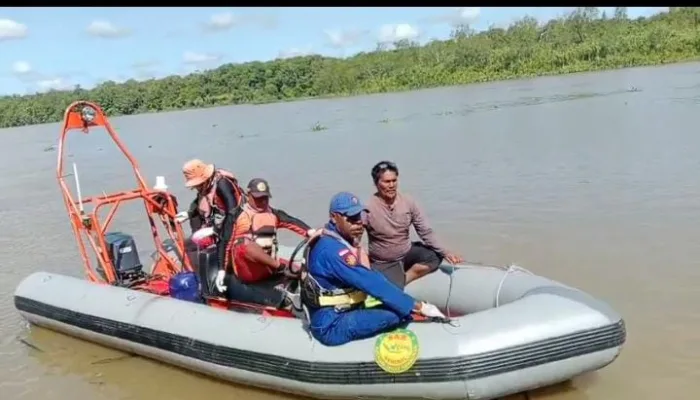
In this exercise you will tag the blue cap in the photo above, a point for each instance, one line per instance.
(346, 203)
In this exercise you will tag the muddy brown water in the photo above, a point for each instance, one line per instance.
(590, 179)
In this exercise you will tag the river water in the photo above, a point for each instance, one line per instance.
(591, 179)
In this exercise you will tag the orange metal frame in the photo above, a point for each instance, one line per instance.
(86, 225)
(160, 205)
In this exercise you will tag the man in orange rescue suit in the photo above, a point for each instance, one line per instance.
(218, 193)
(253, 246)
(338, 279)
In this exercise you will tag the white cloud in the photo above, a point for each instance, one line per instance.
(144, 75)
(38, 81)
(395, 32)
(296, 52)
(53, 84)
(456, 16)
(467, 15)
(10, 29)
(339, 38)
(222, 21)
(144, 70)
(21, 68)
(191, 57)
(119, 78)
(106, 30)
(226, 20)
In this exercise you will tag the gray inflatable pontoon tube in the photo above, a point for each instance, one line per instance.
(512, 331)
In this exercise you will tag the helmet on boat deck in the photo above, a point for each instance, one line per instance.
(185, 286)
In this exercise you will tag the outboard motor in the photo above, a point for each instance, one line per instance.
(124, 255)
(186, 286)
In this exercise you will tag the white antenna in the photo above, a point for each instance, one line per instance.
(77, 186)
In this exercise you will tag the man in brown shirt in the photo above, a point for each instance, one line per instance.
(389, 220)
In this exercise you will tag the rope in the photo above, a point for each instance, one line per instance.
(508, 270)
(449, 296)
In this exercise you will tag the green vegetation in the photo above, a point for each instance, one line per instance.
(581, 41)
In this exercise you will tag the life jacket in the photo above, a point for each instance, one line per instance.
(314, 296)
(210, 206)
(262, 229)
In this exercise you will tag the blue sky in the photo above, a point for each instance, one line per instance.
(43, 48)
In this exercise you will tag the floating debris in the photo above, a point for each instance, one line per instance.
(112, 359)
(30, 345)
(318, 127)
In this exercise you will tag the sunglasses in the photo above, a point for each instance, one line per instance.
(386, 165)
(356, 219)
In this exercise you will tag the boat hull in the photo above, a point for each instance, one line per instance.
(541, 334)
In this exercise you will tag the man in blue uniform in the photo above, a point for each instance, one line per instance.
(337, 283)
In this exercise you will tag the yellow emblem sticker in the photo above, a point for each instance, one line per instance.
(396, 352)
(350, 259)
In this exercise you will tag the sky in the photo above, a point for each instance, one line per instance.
(56, 48)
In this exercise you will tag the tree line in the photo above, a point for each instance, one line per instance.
(584, 40)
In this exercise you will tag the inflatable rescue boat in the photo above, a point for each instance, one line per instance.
(509, 330)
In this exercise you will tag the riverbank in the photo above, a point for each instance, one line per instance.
(580, 42)
(569, 189)
(568, 71)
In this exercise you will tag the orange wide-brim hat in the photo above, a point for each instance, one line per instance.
(197, 172)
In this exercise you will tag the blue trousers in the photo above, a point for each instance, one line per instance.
(334, 328)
